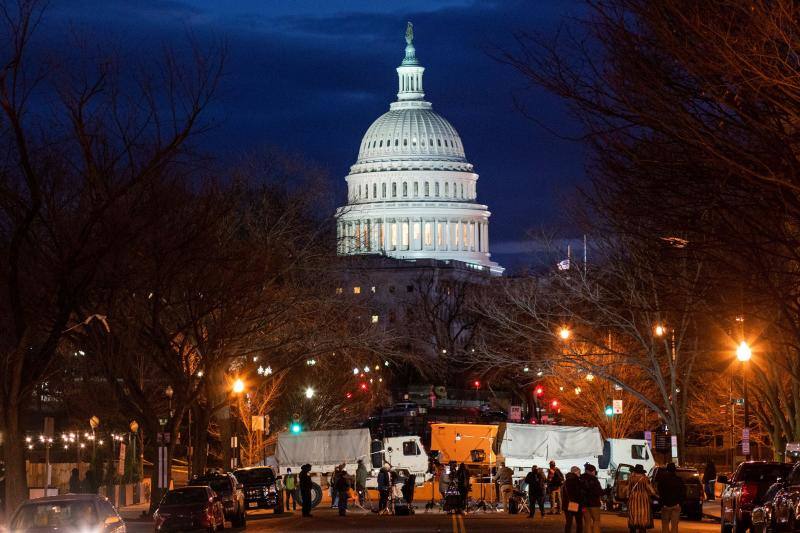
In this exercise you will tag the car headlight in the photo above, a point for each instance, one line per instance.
(272, 489)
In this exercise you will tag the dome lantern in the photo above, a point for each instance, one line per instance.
(409, 73)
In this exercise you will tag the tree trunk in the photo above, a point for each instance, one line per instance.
(201, 420)
(14, 456)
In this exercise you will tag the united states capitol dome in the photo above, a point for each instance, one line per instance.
(415, 132)
(412, 194)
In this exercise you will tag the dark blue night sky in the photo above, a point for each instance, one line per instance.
(310, 76)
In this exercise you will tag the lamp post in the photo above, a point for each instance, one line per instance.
(237, 388)
(743, 354)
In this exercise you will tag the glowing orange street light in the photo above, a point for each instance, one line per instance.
(564, 333)
(659, 330)
(743, 352)
(238, 386)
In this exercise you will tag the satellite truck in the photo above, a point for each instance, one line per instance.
(325, 450)
(521, 446)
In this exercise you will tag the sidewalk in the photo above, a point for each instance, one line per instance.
(711, 509)
(133, 513)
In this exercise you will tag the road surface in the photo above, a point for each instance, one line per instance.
(326, 520)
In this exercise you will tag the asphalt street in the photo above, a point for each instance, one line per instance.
(327, 520)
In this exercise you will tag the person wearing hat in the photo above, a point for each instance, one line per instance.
(592, 498)
(305, 489)
(554, 481)
(640, 517)
(535, 483)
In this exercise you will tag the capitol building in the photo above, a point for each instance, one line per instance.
(412, 193)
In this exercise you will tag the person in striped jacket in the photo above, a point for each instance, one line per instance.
(640, 491)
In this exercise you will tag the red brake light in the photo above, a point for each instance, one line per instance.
(749, 492)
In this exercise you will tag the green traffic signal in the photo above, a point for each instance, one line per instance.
(296, 428)
(609, 410)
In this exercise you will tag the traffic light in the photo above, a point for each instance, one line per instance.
(554, 404)
(296, 428)
(476, 384)
(609, 410)
(539, 390)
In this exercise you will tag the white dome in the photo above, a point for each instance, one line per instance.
(411, 132)
(412, 193)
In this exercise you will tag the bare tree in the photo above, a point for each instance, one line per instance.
(72, 173)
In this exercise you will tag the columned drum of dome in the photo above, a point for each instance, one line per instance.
(412, 192)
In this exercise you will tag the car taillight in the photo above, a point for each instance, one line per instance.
(748, 495)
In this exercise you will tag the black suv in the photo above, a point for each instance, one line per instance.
(261, 488)
(229, 489)
(692, 505)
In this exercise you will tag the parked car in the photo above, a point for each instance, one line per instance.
(692, 506)
(189, 508)
(745, 491)
(230, 490)
(262, 489)
(785, 515)
(67, 513)
(762, 516)
(401, 409)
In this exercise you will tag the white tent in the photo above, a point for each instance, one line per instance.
(545, 442)
(322, 447)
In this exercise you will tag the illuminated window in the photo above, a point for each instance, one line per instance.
(416, 231)
(465, 234)
(372, 289)
(339, 290)
(428, 234)
(456, 234)
(405, 233)
(356, 290)
(440, 234)
(374, 319)
(393, 234)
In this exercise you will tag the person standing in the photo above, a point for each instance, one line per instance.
(305, 489)
(554, 481)
(710, 479)
(640, 517)
(462, 478)
(572, 498)
(384, 486)
(342, 489)
(535, 482)
(592, 498)
(671, 492)
(289, 487)
(90, 483)
(75, 482)
(445, 472)
(361, 481)
(504, 479)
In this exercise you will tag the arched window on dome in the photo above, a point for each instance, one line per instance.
(416, 188)
(430, 142)
(383, 190)
(394, 190)
(388, 143)
(438, 142)
(380, 144)
(446, 189)
(374, 190)
(427, 189)
(405, 189)
(462, 190)
(397, 142)
(436, 189)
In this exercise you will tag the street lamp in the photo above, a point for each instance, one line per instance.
(169, 392)
(309, 392)
(659, 330)
(238, 386)
(564, 333)
(743, 354)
